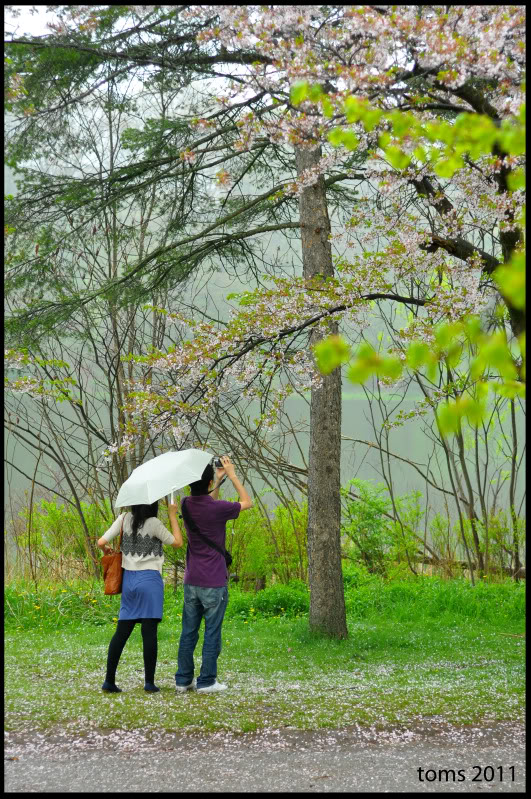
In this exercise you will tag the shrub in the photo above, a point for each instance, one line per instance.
(278, 600)
(52, 606)
(365, 523)
(289, 527)
(249, 542)
(434, 598)
(356, 574)
(267, 547)
(58, 538)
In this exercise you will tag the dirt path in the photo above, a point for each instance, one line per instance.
(354, 759)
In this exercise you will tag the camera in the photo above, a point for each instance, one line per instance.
(217, 463)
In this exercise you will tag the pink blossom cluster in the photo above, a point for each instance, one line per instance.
(310, 176)
(25, 385)
(14, 359)
(222, 363)
(361, 50)
(122, 447)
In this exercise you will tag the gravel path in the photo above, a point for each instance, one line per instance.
(354, 759)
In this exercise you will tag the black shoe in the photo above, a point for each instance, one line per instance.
(150, 686)
(111, 688)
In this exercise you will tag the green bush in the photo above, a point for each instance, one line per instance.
(426, 598)
(270, 545)
(356, 574)
(266, 545)
(52, 606)
(289, 535)
(434, 598)
(290, 600)
(365, 524)
(249, 542)
(58, 537)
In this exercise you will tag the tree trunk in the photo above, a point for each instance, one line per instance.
(327, 600)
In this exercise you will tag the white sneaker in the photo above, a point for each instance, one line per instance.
(182, 688)
(214, 688)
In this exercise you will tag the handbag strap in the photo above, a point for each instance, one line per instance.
(195, 529)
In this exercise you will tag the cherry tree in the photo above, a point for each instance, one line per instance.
(432, 229)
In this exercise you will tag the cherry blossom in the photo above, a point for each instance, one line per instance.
(402, 226)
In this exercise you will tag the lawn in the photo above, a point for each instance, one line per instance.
(400, 665)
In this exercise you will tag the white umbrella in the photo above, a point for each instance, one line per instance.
(161, 476)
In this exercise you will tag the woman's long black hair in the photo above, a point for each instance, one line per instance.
(141, 513)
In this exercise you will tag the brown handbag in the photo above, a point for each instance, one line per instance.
(112, 569)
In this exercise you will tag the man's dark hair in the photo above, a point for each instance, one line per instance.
(201, 486)
(141, 513)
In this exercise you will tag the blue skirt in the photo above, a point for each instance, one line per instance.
(142, 595)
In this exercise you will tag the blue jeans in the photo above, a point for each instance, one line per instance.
(198, 602)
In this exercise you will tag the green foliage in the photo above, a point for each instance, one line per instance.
(250, 545)
(291, 600)
(380, 543)
(289, 541)
(444, 143)
(331, 352)
(57, 534)
(495, 367)
(501, 533)
(270, 547)
(51, 606)
(444, 539)
(511, 280)
(365, 523)
(406, 532)
(356, 575)
(266, 545)
(434, 598)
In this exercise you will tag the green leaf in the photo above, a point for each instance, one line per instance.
(330, 353)
(396, 157)
(359, 372)
(371, 118)
(299, 92)
(447, 167)
(328, 108)
(354, 109)
(509, 389)
(510, 279)
(391, 368)
(448, 417)
(516, 180)
(335, 137)
(495, 353)
(417, 354)
(473, 410)
(350, 140)
(315, 92)
(473, 328)
(446, 334)
(512, 138)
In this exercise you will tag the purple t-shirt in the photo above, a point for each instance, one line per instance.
(206, 566)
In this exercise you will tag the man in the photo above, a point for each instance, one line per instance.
(205, 577)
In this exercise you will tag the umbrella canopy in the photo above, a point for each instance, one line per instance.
(161, 475)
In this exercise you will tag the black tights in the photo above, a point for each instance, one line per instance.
(119, 640)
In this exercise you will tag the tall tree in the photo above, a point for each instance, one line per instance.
(327, 601)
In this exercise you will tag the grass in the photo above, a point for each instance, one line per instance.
(414, 651)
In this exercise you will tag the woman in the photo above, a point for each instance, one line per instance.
(142, 587)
